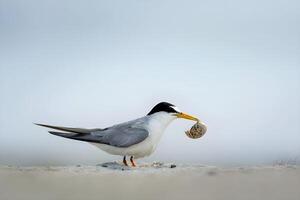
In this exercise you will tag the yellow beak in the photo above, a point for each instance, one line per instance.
(186, 116)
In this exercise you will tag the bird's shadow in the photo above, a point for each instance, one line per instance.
(120, 166)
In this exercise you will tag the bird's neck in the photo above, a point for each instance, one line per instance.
(158, 122)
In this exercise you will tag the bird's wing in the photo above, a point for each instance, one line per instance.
(69, 129)
(123, 135)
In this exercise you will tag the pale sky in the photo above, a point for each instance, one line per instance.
(234, 64)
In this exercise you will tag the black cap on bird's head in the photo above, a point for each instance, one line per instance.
(165, 107)
(172, 109)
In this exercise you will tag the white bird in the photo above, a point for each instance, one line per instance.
(137, 138)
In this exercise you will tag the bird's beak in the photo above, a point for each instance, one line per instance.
(186, 116)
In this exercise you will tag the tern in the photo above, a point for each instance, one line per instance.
(137, 138)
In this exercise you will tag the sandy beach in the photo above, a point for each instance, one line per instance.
(181, 182)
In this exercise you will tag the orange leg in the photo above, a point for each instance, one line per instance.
(124, 161)
(132, 161)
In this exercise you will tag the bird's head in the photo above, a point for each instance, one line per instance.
(171, 110)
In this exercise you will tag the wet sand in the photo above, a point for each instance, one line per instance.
(150, 182)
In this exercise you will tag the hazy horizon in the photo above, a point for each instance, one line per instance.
(233, 64)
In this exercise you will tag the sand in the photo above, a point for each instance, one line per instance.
(150, 182)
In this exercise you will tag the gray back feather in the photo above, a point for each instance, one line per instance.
(122, 135)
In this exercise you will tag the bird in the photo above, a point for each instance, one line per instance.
(135, 139)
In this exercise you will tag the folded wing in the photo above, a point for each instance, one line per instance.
(119, 136)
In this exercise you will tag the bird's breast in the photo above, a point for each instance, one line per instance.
(156, 127)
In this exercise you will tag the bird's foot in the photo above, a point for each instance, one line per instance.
(132, 162)
(124, 161)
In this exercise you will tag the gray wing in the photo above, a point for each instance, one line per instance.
(121, 136)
